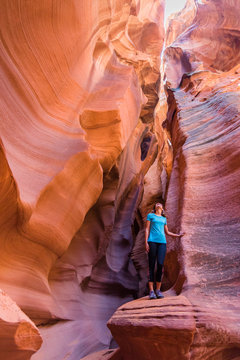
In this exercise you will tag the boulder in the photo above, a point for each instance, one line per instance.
(19, 337)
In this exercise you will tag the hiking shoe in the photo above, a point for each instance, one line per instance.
(159, 294)
(152, 295)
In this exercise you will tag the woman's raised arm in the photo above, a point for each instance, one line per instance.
(170, 233)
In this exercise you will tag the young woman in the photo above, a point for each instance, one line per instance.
(155, 244)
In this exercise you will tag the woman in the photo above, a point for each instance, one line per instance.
(155, 244)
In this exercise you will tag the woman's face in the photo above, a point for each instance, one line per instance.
(158, 206)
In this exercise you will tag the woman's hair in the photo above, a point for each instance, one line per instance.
(163, 211)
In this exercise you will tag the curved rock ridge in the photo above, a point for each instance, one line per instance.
(80, 81)
(50, 90)
(30, 246)
(19, 337)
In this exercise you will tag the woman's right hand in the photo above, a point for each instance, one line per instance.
(147, 247)
(181, 234)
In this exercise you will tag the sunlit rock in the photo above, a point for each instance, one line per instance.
(92, 135)
(198, 112)
(79, 86)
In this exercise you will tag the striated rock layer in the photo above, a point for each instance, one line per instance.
(202, 93)
(199, 111)
(87, 147)
(79, 83)
(206, 198)
(161, 329)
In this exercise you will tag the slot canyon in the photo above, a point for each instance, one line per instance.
(106, 109)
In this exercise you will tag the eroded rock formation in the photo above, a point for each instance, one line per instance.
(199, 107)
(92, 134)
(80, 81)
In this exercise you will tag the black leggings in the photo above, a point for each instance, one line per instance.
(158, 251)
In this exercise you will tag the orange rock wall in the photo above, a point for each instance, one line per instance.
(92, 135)
(199, 110)
(79, 85)
(202, 92)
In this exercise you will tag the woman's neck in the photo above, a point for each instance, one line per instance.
(158, 212)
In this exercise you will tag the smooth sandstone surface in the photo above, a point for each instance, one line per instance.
(202, 93)
(94, 131)
(208, 207)
(199, 110)
(79, 84)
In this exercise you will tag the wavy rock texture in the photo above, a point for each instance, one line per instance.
(199, 111)
(202, 96)
(205, 201)
(83, 161)
(79, 82)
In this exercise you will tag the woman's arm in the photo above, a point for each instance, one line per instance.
(147, 235)
(170, 233)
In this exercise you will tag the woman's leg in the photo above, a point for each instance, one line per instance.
(151, 261)
(161, 252)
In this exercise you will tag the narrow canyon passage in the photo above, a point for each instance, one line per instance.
(105, 112)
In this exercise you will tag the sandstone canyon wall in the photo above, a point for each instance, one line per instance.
(92, 134)
(199, 107)
(79, 84)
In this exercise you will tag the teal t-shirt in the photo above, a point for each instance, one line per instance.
(156, 233)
